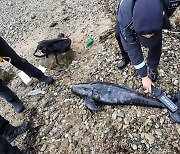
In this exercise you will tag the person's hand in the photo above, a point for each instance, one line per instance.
(147, 83)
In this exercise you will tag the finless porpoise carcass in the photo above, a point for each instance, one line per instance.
(113, 94)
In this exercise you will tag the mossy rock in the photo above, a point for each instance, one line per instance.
(6, 76)
(64, 60)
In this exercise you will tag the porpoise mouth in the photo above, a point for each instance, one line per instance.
(81, 89)
(76, 89)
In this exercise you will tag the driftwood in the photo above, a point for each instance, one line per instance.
(174, 34)
(170, 32)
(103, 37)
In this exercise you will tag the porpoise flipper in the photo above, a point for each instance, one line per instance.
(90, 104)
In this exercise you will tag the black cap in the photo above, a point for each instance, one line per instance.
(148, 21)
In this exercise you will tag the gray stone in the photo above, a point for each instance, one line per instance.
(158, 132)
(47, 129)
(150, 138)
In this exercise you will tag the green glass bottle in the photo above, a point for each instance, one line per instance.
(89, 42)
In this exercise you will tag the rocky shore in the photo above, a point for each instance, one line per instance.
(61, 123)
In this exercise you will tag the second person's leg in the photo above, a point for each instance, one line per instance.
(125, 59)
(153, 59)
(11, 97)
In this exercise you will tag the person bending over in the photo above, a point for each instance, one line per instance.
(140, 22)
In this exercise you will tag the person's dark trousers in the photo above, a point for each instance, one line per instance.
(154, 55)
(7, 148)
(17, 61)
(117, 34)
(5, 126)
(3, 123)
(6, 93)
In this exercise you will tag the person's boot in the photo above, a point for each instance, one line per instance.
(11, 132)
(46, 79)
(123, 63)
(17, 104)
(153, 74)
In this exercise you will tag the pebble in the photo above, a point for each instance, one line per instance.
(175, 82)
(75, 143)
(178, 130)
(173, 136)
(114, 115)
(55, 115)
(134, 147)
(55, 94)
(150, 138)
(162, 120)
(47, 129)
(158, 132)
(147, 128)
(43, 148)
(121, 114)
(54, 130)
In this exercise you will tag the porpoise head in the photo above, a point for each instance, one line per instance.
(83, 89)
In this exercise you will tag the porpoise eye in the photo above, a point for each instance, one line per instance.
(86, 89)
(96, 96)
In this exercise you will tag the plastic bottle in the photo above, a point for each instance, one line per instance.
(89, 42)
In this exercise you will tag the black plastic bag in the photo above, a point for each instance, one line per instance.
(55, 46)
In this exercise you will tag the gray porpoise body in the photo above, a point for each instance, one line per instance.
(112, 94)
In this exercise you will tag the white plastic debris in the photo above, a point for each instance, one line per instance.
(43, 69)
(26, 79)
(35, 92)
